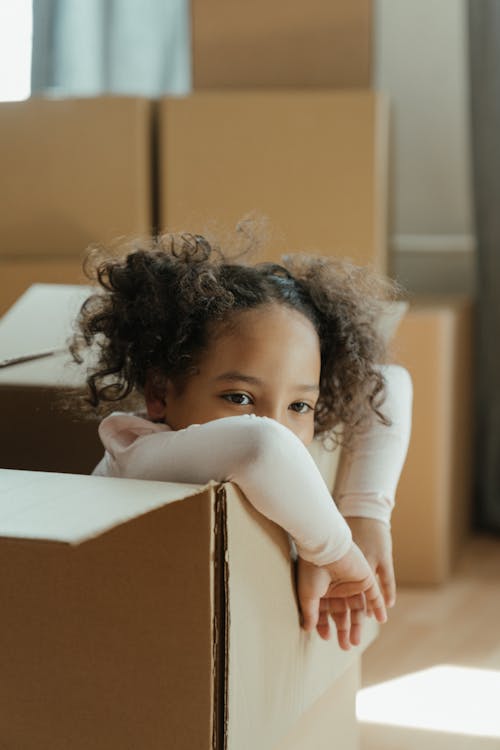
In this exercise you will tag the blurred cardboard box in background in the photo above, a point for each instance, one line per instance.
(75, 171)
(266, 44)
(81, 171)
(434, 500)
(69, 182)
(315, 163)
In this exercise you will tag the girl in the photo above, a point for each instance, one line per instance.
(240, 367)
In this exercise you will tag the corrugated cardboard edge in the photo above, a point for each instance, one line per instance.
(220, 622)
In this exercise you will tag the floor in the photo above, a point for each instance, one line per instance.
(432, 679)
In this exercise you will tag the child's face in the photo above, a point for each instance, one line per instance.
(267, 364)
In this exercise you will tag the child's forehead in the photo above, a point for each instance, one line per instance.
(263, 321)
(264, 339)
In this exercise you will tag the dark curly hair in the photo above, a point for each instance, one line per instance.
(162, 299)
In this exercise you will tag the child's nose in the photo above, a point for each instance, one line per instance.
(273, 412)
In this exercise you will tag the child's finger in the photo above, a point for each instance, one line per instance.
(344, 631)
(348, 615)
(375, 603)
(357, 606)
(341, 615)
(387, 583)
(310, 613)
(355, 635)
(323, 626)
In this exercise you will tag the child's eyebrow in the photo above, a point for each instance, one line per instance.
(233, 375)
(240, 376)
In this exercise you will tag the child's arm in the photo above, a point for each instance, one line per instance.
(368, 475)
(276, 473)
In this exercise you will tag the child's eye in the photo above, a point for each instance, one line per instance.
(242, 399)
(300, 407)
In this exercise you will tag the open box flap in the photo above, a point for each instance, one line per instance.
(71, 508)
(41, 319)
(34, 335)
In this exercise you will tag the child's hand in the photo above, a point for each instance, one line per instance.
(348, 615)
(341, 588)
(374, 539)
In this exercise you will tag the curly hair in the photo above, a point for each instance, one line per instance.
(163, 299)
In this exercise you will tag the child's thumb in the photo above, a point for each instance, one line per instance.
(310, 613)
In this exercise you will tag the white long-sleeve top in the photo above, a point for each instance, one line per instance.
(273, 468)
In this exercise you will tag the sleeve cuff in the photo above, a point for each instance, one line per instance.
(330, 551)
(367, 505)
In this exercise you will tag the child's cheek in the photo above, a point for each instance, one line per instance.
(307, 434)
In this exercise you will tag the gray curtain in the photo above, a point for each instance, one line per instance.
(128, 47)
(484, 46)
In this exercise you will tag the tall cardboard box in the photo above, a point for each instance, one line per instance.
(266, 44)
(151, 615)
(74, 171)
(433, 509)
(313, 162)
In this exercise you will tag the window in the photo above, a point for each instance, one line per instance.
(16, 28)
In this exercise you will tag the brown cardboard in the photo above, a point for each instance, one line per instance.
(75, 171)
(108, 643)
(313, 162)
(432, 514)
(18, 274)
(35, 432)
(137, 615)
(266, 44)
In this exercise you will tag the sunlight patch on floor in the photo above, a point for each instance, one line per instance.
(444, 698)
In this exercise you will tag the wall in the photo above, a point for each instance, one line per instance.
(421, 61)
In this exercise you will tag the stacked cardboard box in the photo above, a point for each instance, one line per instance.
(314, 162)
(269, 45)
(74, 172)
(433, 510)
(80, 171)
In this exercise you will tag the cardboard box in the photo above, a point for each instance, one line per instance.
(433, 508)
(75, 171)
(151, 615)
(35, 431)
(18, 274)
(314, 162)
(266, 44)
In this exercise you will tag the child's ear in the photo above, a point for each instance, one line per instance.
(155, 395)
